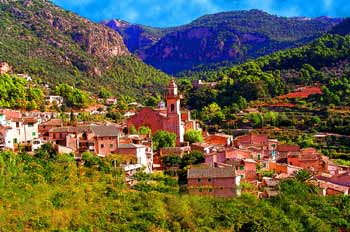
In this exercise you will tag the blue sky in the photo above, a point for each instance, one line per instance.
(164, 13)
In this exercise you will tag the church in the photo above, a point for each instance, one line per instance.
(169, 118)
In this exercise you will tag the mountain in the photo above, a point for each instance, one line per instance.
(233, 37)
(135, 36)
(54, 46)
(342, 28)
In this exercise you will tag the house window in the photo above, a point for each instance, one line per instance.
(33, 134)
(199, 180)
(102, 145)
(30, 124)
(111, 145)
(209, 179)
(17, 124)
(200, 190)
(15, 140)
(259, 156)
(210, 190)
(241, 168)
(172, 107)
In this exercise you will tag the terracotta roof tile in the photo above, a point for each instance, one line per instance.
(211, 172)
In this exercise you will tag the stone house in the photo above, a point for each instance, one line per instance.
(45, 127)
(334, 185)
(213, 181)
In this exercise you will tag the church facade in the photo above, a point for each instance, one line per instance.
(169, 119)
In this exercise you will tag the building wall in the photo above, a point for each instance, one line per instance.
(30, 132)
(250, 171)
(331, 191)
(106, 145)
(58, 137)
(44, 131)
(2, 136)
(278, 168)
(220, 187)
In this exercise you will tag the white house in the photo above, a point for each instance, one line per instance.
(16, 129)
(142, 153)
(54, 99)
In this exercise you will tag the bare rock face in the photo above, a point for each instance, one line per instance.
(135, 37)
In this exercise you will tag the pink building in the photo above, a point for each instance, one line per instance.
(213, 181)
(169, 119)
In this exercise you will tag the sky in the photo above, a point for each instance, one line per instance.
(165, 13)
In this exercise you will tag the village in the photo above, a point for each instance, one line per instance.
(229, 162)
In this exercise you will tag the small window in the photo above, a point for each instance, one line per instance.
(199, 180)
(241, 167)
(172, 107)
(30, 124)
(209, 179)
(33, 134)
(15, 140)
(210, 190)
(111, 145)
(17, 124)
(102, 145)
(200, 190)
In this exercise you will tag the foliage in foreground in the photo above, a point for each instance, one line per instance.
(53, 193)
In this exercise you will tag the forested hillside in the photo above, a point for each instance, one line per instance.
(223, 38)
(325, 61)
(56, 46)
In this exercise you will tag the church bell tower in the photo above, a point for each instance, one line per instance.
(174, 123)
(173, 99)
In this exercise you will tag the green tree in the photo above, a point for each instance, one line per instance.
(104, 93)
(171, 161)
(144, 130)
(193, 136)
(193, 158)
(163, 139)
(132, 130)
(213, 113)
(302, 175)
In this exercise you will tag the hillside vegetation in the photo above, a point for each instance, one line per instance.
(222, 38)
(56, 46)
(51, 192)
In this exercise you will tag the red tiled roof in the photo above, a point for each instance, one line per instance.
(252, 139)
(288, 148)
(210, 172)
(11, 114)
(30, 120)
(342, 179)
(54, 122)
